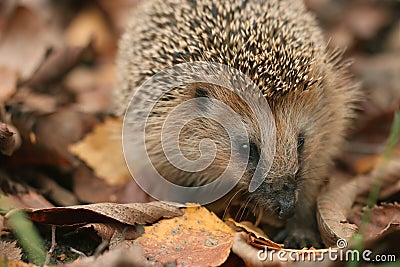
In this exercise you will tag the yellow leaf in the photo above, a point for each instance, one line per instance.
(102, 151)
(197, 238)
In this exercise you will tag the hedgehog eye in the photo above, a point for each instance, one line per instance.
(253, 152)
(254, 155)
(200, 92)
(300, 143)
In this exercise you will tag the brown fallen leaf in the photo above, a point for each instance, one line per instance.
(386, 243)
(27, 29)
(10, 250)
(33, 102)
(30, 199)
(131, 214)
(57, 63)
(56, 131)
(365, 20)
(380, 76)
(1, 223)
(86, 187)
(247, 226)
(62, 257)
(249, 254)
(8, 83)
(130, 255)
(332, 212)
(46, 137)
(380, 218)
(95, 149)
(20, 196)
(7, 9)
(55, 192)
(197, 238)
(393, 40)
(119, 12)
(14, 263)
(92, 87)
(366, 163)
(113, 233)
(391, 192)
(264, 255)
(259, 237)
(90, 24)
(9, 139)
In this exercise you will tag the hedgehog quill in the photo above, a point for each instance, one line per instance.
(278, 45)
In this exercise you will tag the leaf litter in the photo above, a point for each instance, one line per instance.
(57, 68)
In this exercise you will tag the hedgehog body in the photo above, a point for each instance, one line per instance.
(278, 45)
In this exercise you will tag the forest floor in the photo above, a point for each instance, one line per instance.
(58, 72)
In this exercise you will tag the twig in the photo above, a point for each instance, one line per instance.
(55, 192)
(9, 139)
(80, 253)
(103, 245)
(53, 245)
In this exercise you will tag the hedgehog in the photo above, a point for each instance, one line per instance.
(278, 45)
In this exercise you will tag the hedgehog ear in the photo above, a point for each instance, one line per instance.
(198, 89)
(200, 92)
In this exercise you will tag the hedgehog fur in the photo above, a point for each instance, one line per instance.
(279, 46)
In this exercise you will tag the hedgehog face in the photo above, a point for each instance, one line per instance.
(300, 143)
(304, 135)
(278, 192)
(294, 115)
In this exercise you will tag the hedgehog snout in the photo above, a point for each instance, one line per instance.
(284, 197)
(278, 196)
(286, 208)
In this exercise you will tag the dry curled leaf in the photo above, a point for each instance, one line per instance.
(197, 238)
(113, 233)
(379, 220)
(249, 254)
(264, 255)
(57, 63)
(131, 214)
(332, 212)
(21, 196)
(386, 243)
(259, 237)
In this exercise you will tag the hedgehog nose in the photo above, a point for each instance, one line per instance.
(286, 208)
